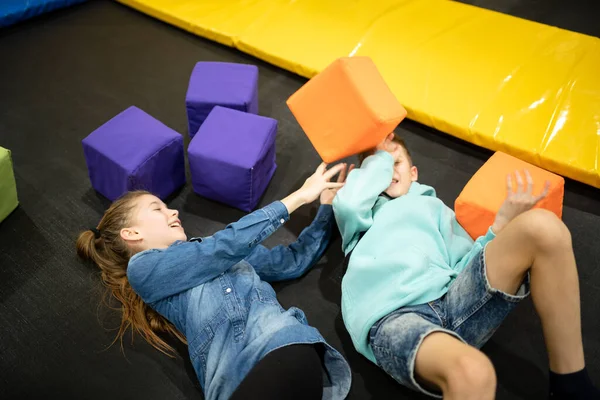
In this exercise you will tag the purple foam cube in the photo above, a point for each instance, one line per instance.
(134, 151)
(232, 158)
(220, 84)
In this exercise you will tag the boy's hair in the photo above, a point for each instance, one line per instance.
(110, 252)
(397, 139)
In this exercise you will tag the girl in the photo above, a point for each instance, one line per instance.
(212, 293)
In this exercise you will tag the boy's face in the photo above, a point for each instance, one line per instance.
(404, 174)
(154, 226)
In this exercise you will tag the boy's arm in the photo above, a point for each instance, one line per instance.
(157, 274)
(514, 204)
(459, 243)
(289, 262)
(353, 204)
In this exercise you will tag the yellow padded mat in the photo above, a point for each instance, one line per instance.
(501, 82)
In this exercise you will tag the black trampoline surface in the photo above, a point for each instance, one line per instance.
(65, 74)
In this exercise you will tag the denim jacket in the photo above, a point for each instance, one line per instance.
(215, 291)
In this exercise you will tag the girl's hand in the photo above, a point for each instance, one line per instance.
(313, 187)
(320, 181)
(517, 202)
(328, 195)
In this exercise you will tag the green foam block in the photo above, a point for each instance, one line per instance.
(8, 186)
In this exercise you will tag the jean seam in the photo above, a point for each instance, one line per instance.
(443, 321)
(477, 306)
(269, 213)
(472, 311)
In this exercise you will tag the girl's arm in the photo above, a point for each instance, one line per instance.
(156, 274)
(290, 262)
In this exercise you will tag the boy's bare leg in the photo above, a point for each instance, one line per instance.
(462, 372)
(540, 242)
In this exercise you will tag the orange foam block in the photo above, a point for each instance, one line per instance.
(346, 109)
(481, 198)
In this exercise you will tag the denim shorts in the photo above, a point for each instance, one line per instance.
(471, 311)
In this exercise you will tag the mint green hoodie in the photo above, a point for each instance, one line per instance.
(412, 249)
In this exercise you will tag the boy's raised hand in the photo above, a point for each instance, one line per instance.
(517, 202)
(390, 146)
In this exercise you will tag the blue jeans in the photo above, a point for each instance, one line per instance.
(471, 311)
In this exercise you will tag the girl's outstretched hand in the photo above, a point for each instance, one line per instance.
(328, 195)
(314, 186)
(320, 181)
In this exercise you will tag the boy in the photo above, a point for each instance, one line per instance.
(420, 297)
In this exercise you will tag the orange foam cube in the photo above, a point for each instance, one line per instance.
(346, 109)
(481, 198)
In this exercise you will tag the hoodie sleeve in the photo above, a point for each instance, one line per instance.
(353, 204)
(459, 244)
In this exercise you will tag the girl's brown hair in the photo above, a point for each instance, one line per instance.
(109, 251)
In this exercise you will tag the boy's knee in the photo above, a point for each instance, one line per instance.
(473, 376)
(546, 230)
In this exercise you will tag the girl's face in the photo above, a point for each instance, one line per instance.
(153, 226)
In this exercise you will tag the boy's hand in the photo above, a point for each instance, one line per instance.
(327, 196)
(390, 146)
(517, 202)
